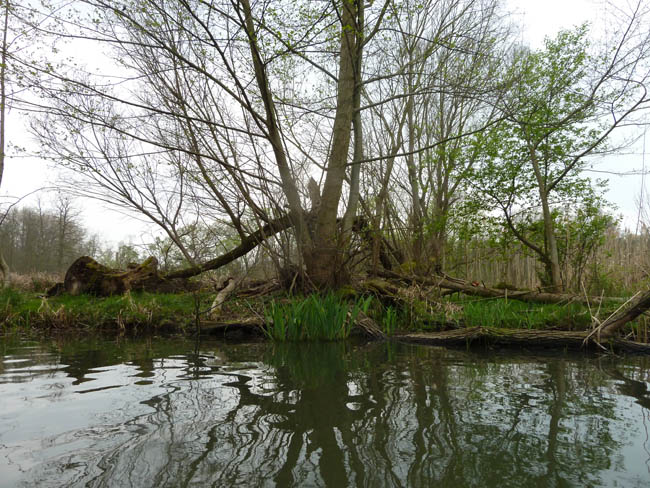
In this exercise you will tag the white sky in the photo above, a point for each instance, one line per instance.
(537, 19)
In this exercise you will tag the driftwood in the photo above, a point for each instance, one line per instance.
(369, 327)
(556, 339)
(470, 288)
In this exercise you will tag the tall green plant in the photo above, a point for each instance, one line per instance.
(316, 317)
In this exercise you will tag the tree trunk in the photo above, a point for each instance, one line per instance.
(289, 187)
(247, 244)
(555, 339)
(416, 208)
(486, 292)
(357, 127)
(3, 89)
(324, 261)
(551, 258)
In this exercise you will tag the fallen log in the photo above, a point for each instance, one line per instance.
(244, 326)
(556, 339)
(256, 326)
(469, 288)
(368, 327)
(86, 275)
(626, 313)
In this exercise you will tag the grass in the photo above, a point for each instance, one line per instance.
(131, 311)
(312, 318)
(467, 311)
(317, 317)
(521, 315)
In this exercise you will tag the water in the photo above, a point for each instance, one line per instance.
(162, 412)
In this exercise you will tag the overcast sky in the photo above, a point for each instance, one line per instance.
(537, 19)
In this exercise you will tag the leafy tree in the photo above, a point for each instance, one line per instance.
(555, 115)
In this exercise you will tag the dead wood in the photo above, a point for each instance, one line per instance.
(256, 326)
(388, 255)
(369, 327)
(235, 327)
(256, 288)
(222, 295)
(470, 288)
(515, 337)
(626, 313)
(85, 275)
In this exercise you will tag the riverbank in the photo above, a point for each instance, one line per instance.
(449, 320)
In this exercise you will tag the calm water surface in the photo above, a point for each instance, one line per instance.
(161, 412)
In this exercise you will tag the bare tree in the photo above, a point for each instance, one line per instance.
(222, 111)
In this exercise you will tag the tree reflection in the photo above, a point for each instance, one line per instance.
(366, 415)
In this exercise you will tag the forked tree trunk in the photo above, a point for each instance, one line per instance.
(324, 261)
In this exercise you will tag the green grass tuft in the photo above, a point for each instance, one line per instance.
(314, 318)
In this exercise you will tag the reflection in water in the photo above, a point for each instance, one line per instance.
(169, 413)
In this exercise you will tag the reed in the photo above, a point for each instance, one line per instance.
(317, 317)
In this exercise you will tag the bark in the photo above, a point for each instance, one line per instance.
(369, 327)
(551, 258)
(4, 270)
(517, 337)
(324, 260)
(274, 134)
(624, 315)
(247, 244)
(224, 293)
(357, 126)
(381, 249)
(3, 89)
(486, 292)
(416, 208)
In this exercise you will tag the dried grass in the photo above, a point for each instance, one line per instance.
(37, 282)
